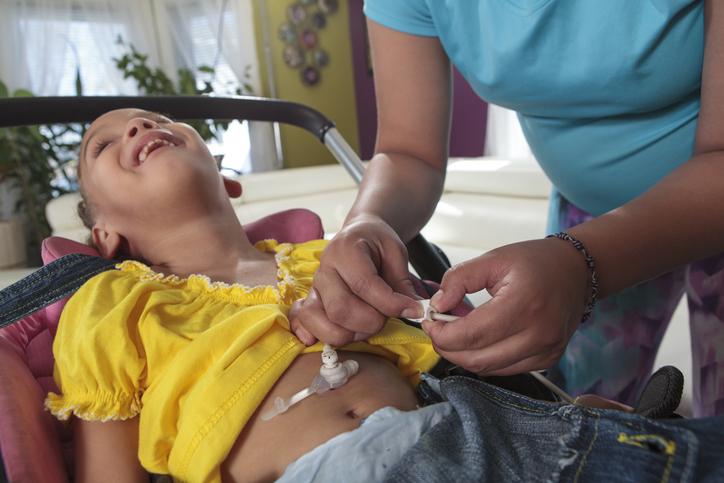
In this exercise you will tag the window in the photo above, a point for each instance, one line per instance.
(198, 34)
(505, 139)
(80, 45)
(63, 38)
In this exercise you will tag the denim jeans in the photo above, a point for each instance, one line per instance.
(49, 284)
(500, 436)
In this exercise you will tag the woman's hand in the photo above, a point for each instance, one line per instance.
(362, 280)
(538, 289)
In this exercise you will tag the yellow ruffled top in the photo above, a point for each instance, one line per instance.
(193, 358)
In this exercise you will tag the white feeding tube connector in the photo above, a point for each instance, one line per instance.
(332, 374)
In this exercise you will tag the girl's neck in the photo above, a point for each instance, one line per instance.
(213, 246)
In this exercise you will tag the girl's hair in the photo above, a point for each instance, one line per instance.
(84, 208)
(84, 211)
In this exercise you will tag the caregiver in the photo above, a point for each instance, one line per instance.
(622, 103)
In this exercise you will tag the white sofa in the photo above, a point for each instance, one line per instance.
(487, 202)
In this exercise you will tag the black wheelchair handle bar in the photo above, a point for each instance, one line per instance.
(21, 111)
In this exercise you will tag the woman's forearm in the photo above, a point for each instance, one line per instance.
(679, 220)
(413, 86)
(400, 189)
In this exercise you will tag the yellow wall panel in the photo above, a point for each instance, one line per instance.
(333, 95)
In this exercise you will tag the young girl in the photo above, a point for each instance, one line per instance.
(168, 364)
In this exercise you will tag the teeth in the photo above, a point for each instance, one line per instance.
(151, 146)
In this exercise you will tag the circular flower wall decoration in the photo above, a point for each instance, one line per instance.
(300, 34)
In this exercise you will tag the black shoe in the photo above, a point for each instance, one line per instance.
(662, 394)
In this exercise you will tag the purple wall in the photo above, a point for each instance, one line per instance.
(469, 120)
(467, 137)
(364, 87)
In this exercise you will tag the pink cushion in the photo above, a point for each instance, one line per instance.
(36, 447)
(31, 440)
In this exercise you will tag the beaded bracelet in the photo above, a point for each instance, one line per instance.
(590, 262)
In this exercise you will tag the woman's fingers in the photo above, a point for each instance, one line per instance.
(464, 278)
(342, 307)
(371, 274)
(394, 269)
(313, 319)
(511, 355)
(297, 328)
(492, 322)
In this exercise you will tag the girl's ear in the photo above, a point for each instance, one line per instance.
(106, 241)
(233, 187)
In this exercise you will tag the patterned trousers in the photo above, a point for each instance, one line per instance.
(612, 354)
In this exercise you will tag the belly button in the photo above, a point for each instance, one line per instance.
(352, 414)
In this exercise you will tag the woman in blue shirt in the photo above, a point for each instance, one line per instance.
(623, 105)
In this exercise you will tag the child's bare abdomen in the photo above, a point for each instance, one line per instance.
(265, 448)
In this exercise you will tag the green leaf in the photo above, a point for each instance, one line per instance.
(206, 69)
(3, 89)
(78, 83)
(22, 93)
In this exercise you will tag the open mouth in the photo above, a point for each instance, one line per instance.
(151, 147)
(151, 142)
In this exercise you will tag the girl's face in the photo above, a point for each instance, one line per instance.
(142, 171)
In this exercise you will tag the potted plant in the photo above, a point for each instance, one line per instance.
(12, 233)
(30, 165)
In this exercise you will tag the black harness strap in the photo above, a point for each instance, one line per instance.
(49, 284)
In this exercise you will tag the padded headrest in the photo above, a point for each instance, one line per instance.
(290, 226)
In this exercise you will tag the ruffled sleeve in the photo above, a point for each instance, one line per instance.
(297, 265)
(99, 359)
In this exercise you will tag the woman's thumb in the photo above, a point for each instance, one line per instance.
(447, 297)
(405, 287)
(457, 282)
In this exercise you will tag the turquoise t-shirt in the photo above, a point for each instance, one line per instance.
(607, 91)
